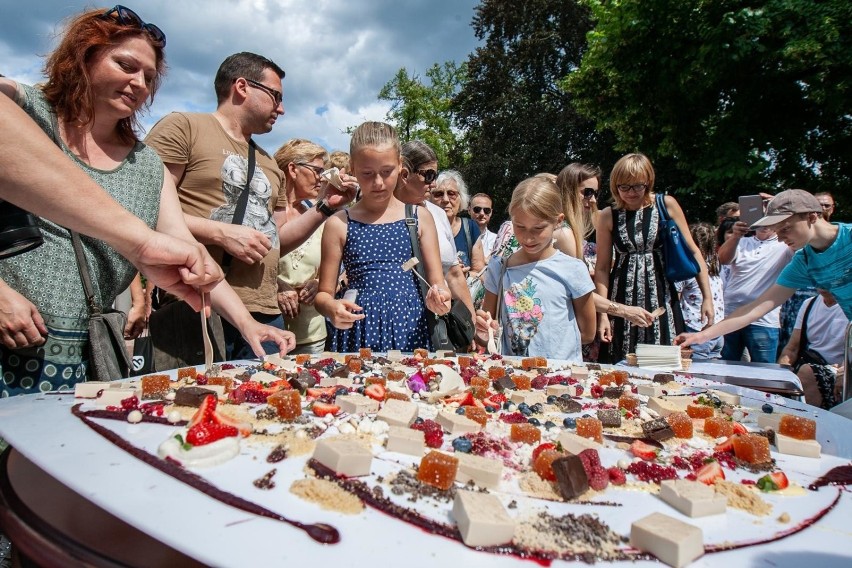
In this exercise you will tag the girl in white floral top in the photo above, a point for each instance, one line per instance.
(690, 295)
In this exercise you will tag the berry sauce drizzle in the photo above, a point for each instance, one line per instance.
(320, 532)
(840, 475)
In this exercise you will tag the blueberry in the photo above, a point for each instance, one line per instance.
(360, 390)
(508, 405)
(462, 444)
(534, 421)
(418, 420)
(490, 409)
(551, 399)
(537, 407)
(767, 408)
(460, 410)
(569, 423)
(587, 416)
(341, 391)
(522, 406)
(526, 411)
(565, 396)
(549, 424)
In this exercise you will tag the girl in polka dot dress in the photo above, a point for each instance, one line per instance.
(372, 240)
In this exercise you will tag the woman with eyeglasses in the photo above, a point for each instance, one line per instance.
(105, 69)
(631, 227)
(302, 162)
(450, 194)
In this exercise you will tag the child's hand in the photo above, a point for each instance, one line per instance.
(707, 312)
(483, 322)
(686, 339)
(438, 300)
(604, 329)
(343, 316)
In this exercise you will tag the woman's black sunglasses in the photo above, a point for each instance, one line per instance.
(428, 175)
(588, 192)
(127, 17)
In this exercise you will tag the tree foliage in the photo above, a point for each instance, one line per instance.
(737, 96)
(517, 119)
(422, 111)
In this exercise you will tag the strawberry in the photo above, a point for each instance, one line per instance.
(726, 446)
(205, 411)
(642, 450)
(541, 447)
(206, 433)
(244, 428)
(498, 397)
(739, 428)
(317, 392)
(323, 408)
(710, 472)
(773, 481)
(376, 391)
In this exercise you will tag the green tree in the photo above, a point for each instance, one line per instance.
(518, 121)
(422, 111)
(728, 96)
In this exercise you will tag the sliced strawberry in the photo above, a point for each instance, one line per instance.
(376, 391)
(498, 397)
(322, 408)
(710, 472)
(205, 411)
(773, 481)
(244, 428)
(541, 448)
(206, 433)
(739, 428)
(492, 404)
(726, 446)
(642, 450)
(317, 392)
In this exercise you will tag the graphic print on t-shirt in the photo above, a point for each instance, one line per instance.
(525, 315)
(257, 215)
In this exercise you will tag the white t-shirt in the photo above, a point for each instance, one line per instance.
(826, 329)
(538, 310)
(755, 268)
(488, 239)
(446, 242)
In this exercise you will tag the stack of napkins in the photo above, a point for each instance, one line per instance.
(664, 357)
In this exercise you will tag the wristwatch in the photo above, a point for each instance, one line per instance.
(323, 208)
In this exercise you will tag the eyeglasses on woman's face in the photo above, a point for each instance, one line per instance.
(127, 17)
(632, 188)
(276, 95)
(477, 210)
(589, 192)
(428, 175)
(318, 170)
(439, 194)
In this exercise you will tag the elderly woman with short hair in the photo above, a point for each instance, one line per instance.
(450, 193)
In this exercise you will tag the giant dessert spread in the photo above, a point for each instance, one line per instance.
(529, 457)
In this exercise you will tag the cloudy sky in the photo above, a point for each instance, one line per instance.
(337, 53)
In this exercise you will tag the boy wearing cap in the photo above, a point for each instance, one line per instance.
(823, 260)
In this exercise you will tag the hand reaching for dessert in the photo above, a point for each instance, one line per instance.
(344, 314)
(256, 333)
(20, 323)
(438, 300)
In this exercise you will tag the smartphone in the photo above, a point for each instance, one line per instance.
(351, 295)
(751, 209)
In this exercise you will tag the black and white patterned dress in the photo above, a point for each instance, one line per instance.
(638, 278)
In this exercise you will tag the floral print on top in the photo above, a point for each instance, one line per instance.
(525, 314)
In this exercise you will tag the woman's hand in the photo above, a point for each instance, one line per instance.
(308, 293)
(708, 315)
(343, 314)
(604, 329)
(256, 333)
(20, 323)
(438, 300)
(637, 316)
(137, 320)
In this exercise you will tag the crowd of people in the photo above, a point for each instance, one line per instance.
(305, 250)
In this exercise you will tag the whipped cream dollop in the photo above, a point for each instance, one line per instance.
(208, 455)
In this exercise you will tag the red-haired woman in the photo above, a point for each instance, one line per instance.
(107, 66)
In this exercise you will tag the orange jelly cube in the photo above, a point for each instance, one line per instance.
(606, 379)
(543, 464)
(479, 382)
(397, 395)
(522, 382)
(420, 352)
(365, 353)
(751, 448)
(699, 411)
(465, 361)
(590, 428)
(495, 373)
(476, 414)
(155, 386)
(681, 424)
(187, 373)
(621, 377)
(528, 363)
(541, 362)
(628, 402)
(375, 381)
(302, 358)
(287, 402)
(438, 470)
(479, 392)
(716, 427)
(797, 427)
(226, 382)
(525, 433)
(354, 364)
(395, 375)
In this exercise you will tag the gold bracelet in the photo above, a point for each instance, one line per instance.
(612, 309)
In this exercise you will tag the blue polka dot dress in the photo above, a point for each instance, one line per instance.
(395, 315)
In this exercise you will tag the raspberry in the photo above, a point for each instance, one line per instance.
(597, 391)
(256, 396)
(598, 479)
(130, 403)
(590, 459)
(616, 476)
(648, 471)
(226, 366)
(513, 418)
(539, 382)
(434, 439)
(201, 379)
(579, 388)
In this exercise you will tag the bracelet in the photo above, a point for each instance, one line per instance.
(324, 208)
(612, 309)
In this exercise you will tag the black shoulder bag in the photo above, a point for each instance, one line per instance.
(453, 330)
(108, 357)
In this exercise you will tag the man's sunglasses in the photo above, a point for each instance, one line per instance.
(428, 175)
(589, 192)
(127, 17)
(276, 95)
(477, 210)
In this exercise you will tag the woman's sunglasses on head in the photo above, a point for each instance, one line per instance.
(127, 17)
(477, 210)
(428, 175)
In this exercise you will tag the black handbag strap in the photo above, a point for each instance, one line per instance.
(85, 275)
(504, 265)
(242, 203)
(803, 338)
(466, 228)
(411, 223)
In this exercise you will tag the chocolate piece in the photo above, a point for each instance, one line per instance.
(381, 360)
(191, 396)
(593, 366)
(571, 478)
(340, 371)
(658, 429)
(613, 392)
(303, 381)
(568, 405)
(610, 417)
(663, 378)
(504, 383)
